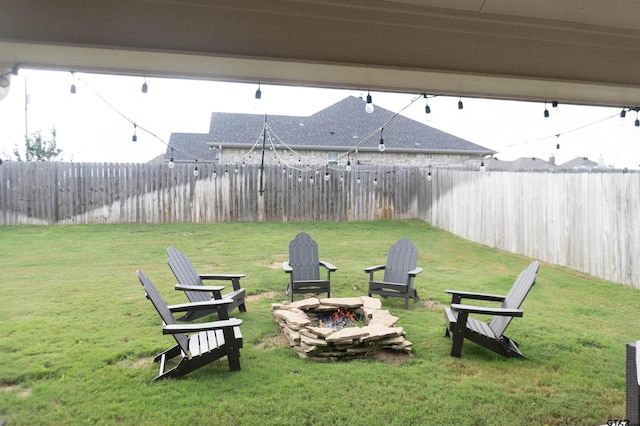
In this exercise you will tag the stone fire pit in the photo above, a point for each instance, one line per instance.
(298, 321)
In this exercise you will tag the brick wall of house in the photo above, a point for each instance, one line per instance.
(232, 156)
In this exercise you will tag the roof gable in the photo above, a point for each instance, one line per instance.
(342, 125)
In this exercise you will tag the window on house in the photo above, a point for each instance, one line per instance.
(332, 158)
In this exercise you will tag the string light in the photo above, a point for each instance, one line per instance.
(482, 167)
(73, 85)
(348, 166)
(327, 176)
(558, 141)
(381, 146)
(369, 107)
(258, 92)
(134, 138)
(546, 111)
(358, 180)
(429, 175)
(375, 181)
(171, 162)
(214, 174)
(460, 104)
(311, 180)
(195, 171)
(226, 172)
(145, 87)
(235, 169)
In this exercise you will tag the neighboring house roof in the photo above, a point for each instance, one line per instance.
(340, 126)
(187, 147)
(579, 162)
(528, 163)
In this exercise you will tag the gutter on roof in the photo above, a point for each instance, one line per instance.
(363, 149)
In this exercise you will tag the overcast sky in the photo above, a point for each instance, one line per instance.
(94, 125)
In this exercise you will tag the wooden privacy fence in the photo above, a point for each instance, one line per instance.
(588, 221)
(66, 193)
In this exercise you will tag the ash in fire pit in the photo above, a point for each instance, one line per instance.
(310, 329)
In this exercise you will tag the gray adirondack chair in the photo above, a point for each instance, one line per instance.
(210, 341)
(303, 267)
(399, 273)
(192, 284)
(490, 335)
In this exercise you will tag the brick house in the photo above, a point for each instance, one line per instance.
(333, 136)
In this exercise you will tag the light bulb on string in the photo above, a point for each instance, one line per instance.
(327, 176)
(558, 141)
(427, 108)
(145, 87)
(299, 178)
(214, 174)
(172, 164)
(284, 170)
(258, 92)
(341, 178)
(369, 107)
(375, 181)
(226, 172)
(134, 138)
(482, 167)
(235, 169)
(73, 85)
(546, 111)
(348, 166)
(381, 146)
(429, 177)
(460, 104)
(195, 171)
(358, 179)
(623, 114)
(311, 179)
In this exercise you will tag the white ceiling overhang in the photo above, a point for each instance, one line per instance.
(572, 51)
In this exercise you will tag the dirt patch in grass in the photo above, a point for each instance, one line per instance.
(18, 390)
(276, 265)
(141, 363)
(269, 342)
(430, 304)
(259, 296)
(391, 357)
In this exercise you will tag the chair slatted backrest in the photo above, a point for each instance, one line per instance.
(303, 258)
(402, 258)
(162, 308)
(186, 274)
(515, 297)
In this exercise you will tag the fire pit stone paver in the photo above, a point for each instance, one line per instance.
(297, 321)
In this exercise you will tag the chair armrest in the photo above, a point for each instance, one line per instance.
(374, 268)
(457, 296)
(203, 326)
(221, 276)
(328, 265)
(486, 310)
(207, 288)
(286, 267)
(196, 306)
(415, 272)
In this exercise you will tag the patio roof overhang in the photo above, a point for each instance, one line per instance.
(572, 51)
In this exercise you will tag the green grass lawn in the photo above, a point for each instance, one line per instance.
(77, 336)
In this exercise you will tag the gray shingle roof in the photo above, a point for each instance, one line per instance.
(340, 126)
